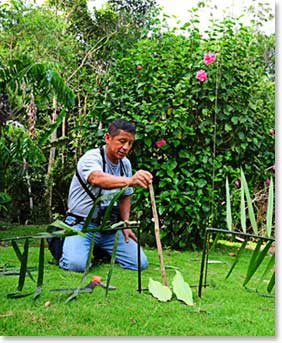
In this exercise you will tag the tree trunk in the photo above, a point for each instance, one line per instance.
(52, 156)
(31, 113)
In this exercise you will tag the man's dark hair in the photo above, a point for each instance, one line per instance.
(121, 124)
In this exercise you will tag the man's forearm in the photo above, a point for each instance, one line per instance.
(124, 206)
(108, 181)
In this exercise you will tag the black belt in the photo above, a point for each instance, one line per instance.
(81, 219)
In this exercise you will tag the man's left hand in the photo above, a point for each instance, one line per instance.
(129, 233)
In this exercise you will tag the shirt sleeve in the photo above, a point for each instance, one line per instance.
(89, 162)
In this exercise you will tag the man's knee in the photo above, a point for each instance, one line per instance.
(74, 265)
(133, 263)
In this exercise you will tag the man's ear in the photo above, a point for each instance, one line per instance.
(107, 137)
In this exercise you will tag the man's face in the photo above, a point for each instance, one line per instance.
(118, 146)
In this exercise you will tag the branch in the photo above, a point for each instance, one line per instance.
(157, 233)
(96, 47)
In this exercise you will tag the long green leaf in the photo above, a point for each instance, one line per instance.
(87, 268)
(107, 214)
(253, 259)
(17, 295)
(270, 265)
(113, 258)
(23, 268)
(256, 260)
(271, 283)
(249, 203)
(269, 213)
(20, 257)
(67, 228)
(243, 210)
(40, 270)
(242, 248)
(228, 206)
(109, 207)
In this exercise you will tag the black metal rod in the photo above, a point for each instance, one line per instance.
(202, 266)
(240, 234)
(207, 258)
(139, 259)
(204, 263)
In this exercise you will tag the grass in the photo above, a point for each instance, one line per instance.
(225, 309)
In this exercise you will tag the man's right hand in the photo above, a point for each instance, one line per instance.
(141, 178)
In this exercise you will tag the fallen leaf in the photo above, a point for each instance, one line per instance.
(8, 314)
(47, 304)
(159, 291)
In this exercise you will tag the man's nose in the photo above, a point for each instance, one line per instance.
(126, 146)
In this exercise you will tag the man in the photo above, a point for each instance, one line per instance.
(117, 174)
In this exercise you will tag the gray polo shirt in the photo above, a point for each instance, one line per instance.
(79, 202)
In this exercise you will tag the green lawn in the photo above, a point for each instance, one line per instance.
(225, 309)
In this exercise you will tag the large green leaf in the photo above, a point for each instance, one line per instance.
(181, 289)
(159, 291)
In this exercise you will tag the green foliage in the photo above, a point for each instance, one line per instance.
(210, 128)
(4, 198)
(260, 251)
(266, 229)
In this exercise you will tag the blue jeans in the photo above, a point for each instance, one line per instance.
(76, 249)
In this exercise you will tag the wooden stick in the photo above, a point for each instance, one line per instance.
(157, 233)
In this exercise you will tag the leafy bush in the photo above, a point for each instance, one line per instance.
(192, 132)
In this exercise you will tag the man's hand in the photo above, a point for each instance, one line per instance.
(141, 178)
(129, 233)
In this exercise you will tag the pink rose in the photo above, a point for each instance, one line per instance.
(237, 183)
(272, 132)
(267, 182)
(160, 142)
(201, 75)
(209, 58)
